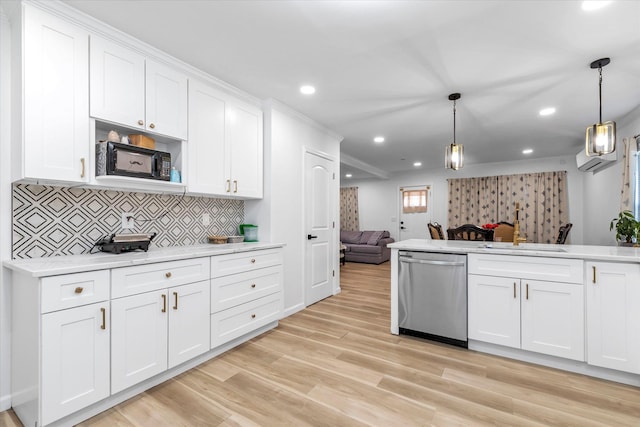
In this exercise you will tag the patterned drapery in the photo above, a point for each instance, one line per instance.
(349, 218)
(542, 197)
(626, 196)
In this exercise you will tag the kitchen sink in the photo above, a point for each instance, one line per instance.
(525, 247)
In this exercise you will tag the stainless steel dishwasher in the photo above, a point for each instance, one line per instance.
(432, 296)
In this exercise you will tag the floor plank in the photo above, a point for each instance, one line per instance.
(336, 364)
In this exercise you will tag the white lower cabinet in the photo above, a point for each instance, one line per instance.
(138, 339)
(553, 318)
(75, 359)
(155, 331)
(613, 315)
(519, 311)
(188, 322)
(83, 338)
(246, 293)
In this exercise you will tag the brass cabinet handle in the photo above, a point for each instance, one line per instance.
(253, 261)
(79, 290)
(527, 291)
(167, 274)
(253, 316)
(104, 318)
(235, 185)
(140, 122)
(164, 303)
(253, 285)
(152, 126)
(228, 186)
(514, 290)
(594, 273)
(82, 171)
(175, 297)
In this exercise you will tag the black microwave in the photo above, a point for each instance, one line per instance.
(113, 158)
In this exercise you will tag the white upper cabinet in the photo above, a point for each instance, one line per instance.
(55, 142)
(137, 93)
(244, 138)
(225, 144)
(166, 100)
(207, 165)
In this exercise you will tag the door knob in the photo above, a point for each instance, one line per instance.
(309, 237)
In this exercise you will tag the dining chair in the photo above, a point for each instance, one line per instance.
(503, 232)
(469, 232)
(563, 233)
(435, 230)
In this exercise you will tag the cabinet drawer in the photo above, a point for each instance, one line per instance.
(527, 267)
(223, 265)
(242, 319)
(229, 291)
(144, 278)
(73, 290)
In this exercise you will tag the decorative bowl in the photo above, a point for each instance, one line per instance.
(217, 239)
(235, 239)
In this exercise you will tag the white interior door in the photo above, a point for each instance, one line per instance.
(413, 218)
(320, 249)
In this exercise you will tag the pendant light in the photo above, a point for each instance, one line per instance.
(454, 153)
(601, 137)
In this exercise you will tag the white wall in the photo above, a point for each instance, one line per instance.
(5, 210)
(602, 189)
(379, 200)
(280, 214)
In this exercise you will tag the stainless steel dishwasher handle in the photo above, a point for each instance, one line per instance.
(422, 261)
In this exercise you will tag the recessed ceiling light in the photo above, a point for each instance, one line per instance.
(547, 111)
(590, 5)
(527, 151)
(307, 89)
(348, 175)
(416, 164)
(378, 139)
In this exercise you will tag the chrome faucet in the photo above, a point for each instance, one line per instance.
(516, 228)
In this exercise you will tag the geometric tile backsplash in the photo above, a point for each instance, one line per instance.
(50, 221)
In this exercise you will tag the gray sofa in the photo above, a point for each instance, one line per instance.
(366, 246)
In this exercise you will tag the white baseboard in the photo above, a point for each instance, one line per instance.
(556, 362)
(292, 310)
(5, 403)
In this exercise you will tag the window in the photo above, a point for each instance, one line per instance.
(414, 201)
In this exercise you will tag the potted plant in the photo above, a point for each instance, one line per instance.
(627, 228)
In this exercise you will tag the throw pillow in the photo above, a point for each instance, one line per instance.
(366, 235)
(375, 238)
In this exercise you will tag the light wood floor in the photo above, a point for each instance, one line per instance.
(336, 364)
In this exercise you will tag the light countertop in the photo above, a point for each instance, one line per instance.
(586, 252)
(50, 266)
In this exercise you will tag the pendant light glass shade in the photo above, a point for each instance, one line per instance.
(454, 156)
(600, 138)
(454, 153)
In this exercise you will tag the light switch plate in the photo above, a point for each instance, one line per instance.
(206, 219)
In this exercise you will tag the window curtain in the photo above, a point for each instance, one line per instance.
(471, 200)
(349, 218)
(628, 151)
(414, 201)
(542, 197)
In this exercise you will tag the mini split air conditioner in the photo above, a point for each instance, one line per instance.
(592, 164)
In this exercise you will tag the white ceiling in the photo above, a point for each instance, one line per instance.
(387, 68)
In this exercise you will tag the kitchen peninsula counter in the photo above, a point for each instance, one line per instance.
(570, 307)
(584, 252)
(40, 267)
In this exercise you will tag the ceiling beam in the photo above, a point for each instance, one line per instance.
(365, 167)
